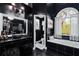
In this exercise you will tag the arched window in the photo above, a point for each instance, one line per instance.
(63, 21)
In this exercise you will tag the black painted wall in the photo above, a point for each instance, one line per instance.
(39, 8)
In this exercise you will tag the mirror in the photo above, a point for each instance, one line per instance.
(14, 26)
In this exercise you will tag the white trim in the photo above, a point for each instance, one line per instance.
(73, 18)
(6, 15)
(37, 44)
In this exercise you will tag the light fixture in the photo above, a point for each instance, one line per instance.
(13, 4)
(10, 7)
(22, 8)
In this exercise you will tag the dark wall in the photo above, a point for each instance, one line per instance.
(2, 7)
(39, 8)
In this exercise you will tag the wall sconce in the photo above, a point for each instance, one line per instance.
(13, 4)
(22, 8)
(10, 7)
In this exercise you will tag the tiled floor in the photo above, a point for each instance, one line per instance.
(28, 52)
(48, 52)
